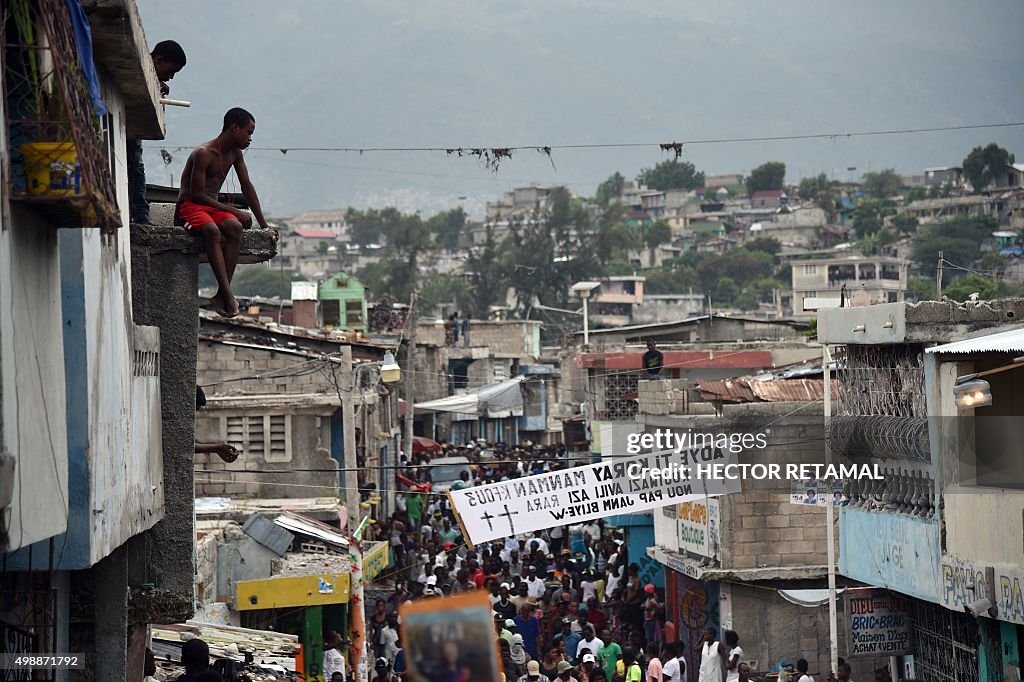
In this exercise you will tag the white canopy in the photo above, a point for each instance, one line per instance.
(504, 399)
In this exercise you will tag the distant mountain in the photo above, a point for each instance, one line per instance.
(409, 73)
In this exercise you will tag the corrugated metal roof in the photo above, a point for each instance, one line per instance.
(790, 390)
(1011, 341)
(776, 391)
(269, 534)
(304, 525)
(727, 391)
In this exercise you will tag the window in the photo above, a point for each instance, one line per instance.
(264, 436)
(353, 314)
(810, 269)
(330, 311)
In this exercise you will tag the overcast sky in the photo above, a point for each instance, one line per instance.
(411, 73)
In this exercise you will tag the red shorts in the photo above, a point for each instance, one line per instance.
(195, 215)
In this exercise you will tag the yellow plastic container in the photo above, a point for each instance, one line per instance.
(52, 169)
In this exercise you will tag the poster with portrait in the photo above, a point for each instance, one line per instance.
(450, 639)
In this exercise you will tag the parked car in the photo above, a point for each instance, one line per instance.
(444, 471)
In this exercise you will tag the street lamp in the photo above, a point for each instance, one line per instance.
(584, 289)
(970, 393)
(390, 372)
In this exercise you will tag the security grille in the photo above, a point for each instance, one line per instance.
(613, 395)
(945, 644)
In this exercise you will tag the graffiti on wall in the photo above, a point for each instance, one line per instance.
(696, 608)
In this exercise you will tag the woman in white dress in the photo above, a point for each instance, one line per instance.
(712, 657)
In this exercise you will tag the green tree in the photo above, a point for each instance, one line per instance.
(726, 290)
(657, 233)
(962, 287)
(983, 164)
(770, 175)
(869, 216)
(873, 244)
(262, 280)
(768, 245)
(445, 289)
(489, 278)
(904, 224)
(672, 174)
(921, 288)
(373, 226)
(739, 265)
(758, 291)
(447, 228)
(610, 189)
(959, 239)
(882, 184)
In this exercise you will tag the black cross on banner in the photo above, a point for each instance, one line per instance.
(487, 517)
(509, 514)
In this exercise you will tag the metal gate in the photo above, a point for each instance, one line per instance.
(945, 644)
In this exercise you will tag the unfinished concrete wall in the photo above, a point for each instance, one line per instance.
(219, 362)
(165, 264)
(772, 629)
(509, 337)
(759, 528)
(309, 447)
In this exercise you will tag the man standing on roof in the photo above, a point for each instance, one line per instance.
(653, 361)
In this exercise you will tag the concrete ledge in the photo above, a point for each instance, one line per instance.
(695, 570)
(158, 606)
(258, 245)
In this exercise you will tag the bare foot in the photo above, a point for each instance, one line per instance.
(228, 310)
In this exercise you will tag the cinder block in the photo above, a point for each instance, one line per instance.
(739, 537)
(754, 522)
(234, 488)
(744, 561)
(818, 533)
(744, 509)
(769, 508)
(776, 522)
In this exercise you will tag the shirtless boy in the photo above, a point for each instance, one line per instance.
(205, 171)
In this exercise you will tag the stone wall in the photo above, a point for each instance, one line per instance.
(220, 362)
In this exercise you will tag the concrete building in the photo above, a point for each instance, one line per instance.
(97, 336)
(821, 282)
(936, 529)
(495, 353)
(310, 252)
(742, 561)
(613, 301)
(938, 176)
(929, 211)
(288, 398)
(333, 220)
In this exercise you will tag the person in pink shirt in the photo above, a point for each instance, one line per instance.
(654, 667)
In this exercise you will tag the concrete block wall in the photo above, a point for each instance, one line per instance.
(662, 396)
(511, 337)
(219, 362)
(759, 527)
(772, 629)
(247, 476)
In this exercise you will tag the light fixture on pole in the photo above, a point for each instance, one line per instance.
(971, 391)
(584, 289)
(390, 372)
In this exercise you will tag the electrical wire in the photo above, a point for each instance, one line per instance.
(471, 149)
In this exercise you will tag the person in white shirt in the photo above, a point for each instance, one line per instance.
(732, 660)
(534, 585)
(801, 668)
(589, 641)
(542, 545)
(674, 668)
(333, 662)
(712, 657)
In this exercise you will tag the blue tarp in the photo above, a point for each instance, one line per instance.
(83, 38)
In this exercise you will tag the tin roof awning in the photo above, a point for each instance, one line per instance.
(1011, 341)
(496, 401)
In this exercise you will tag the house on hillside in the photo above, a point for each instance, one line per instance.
(768, 198)
(343, 303)
(333, 220)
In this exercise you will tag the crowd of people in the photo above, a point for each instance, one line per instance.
(568, 602)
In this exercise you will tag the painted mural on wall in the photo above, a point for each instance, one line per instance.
(964, 582)
(695, 607)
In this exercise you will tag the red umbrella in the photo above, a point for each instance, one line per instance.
(421, 444)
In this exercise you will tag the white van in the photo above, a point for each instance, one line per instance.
(445, 471)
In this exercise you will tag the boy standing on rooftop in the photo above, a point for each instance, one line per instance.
(198, 206)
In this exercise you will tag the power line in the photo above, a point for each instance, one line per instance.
(505, 151)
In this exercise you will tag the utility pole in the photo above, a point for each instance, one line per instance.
(938, 278)
(410, 376)
(830, 533)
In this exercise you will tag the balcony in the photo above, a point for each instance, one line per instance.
(60, 149)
